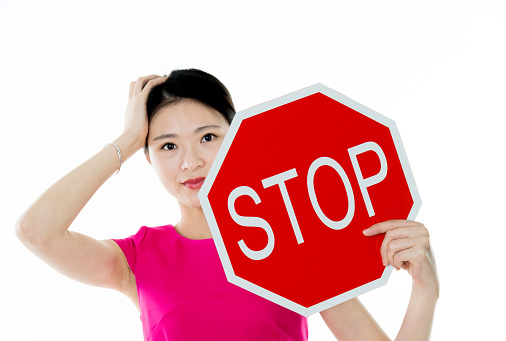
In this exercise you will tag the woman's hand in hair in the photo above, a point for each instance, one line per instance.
(136, 119)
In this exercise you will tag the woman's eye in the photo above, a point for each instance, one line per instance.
(208, 137)
(169, 146)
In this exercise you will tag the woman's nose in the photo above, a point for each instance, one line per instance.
(191, 161)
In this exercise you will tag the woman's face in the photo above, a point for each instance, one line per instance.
(183, 140)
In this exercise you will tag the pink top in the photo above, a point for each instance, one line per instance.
(184, 294)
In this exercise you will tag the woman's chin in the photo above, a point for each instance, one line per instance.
(191, 204)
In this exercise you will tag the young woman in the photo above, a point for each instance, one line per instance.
(173, 273)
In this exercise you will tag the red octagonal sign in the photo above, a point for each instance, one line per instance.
(296, 181)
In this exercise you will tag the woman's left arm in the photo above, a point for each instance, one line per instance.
(406, 246)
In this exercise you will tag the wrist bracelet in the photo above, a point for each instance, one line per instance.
(119, 154)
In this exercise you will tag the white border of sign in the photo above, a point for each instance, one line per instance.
(206, 187)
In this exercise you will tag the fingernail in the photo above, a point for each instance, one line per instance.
(367, 232)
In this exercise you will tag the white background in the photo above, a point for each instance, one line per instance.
(437, 68)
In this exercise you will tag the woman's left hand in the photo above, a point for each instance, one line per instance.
(407, 245)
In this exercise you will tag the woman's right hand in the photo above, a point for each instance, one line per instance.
(136, 118)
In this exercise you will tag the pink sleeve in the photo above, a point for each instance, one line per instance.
(130, 246)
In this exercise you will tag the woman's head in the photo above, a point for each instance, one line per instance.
(191, 84)
(189, 116)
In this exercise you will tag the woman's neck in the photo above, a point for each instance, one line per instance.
(193, 223)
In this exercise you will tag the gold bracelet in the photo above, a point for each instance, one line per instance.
(119, 154)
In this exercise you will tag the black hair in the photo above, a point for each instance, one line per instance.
(195, 85)
(191, 84)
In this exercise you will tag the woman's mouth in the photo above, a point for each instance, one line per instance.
(194, 183)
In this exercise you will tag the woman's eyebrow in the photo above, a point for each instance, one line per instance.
(198, 130)
(165, 136)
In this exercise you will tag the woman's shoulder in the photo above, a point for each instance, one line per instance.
(162, 228)
(145, 235)
(156, 232)
(147, 230)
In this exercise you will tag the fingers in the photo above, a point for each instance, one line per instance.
(409, 232)
(154, 82)
(400, 251)
(146, 82)
(131, 90)
(406, 245)
(389, 225)
(141, 82)
(402, 237)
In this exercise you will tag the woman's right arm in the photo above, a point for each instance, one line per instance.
(43, 227)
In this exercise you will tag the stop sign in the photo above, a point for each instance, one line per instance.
(296, 181)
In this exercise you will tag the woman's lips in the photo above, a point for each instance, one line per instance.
(194, 183)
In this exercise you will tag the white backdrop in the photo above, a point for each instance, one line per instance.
(435, 67)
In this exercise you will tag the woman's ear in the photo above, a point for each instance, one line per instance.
(146, 154)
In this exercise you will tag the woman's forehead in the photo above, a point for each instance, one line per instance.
(185, 115)
(187, 109)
